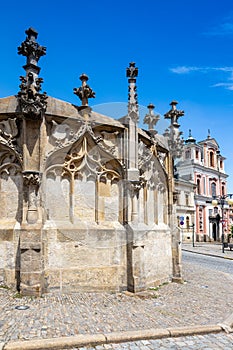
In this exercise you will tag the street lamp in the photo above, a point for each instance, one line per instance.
(222, 200)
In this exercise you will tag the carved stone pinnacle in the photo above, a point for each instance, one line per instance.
(31, 49)
(151, 119)
(32, 102)
(84, 92)
(132, 73)
(174, 114)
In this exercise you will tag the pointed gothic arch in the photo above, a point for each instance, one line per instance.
(88, 181)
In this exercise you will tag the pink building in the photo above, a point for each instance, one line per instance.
(203, 164)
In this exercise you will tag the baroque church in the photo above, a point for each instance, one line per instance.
(87, 201)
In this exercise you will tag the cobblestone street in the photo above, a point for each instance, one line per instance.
(199, 301)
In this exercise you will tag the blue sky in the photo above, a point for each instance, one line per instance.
(183, 50)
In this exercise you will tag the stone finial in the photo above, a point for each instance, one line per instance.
(84, 92)
(174, 114)
(32, 102)
(151, 119)
(175, 142)
(208, 136)
(31, 49)
(132, 73)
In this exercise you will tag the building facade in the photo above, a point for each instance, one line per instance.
(87, 201)
(203, 165)
(185, 209)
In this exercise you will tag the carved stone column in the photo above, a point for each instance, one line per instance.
(135, 248)
(32, 105)
(31, 252)
(132, 121)
(32, 182)
(175, 147)
(134, 188)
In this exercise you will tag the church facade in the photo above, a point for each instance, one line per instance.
(87, 201)
(202, 165)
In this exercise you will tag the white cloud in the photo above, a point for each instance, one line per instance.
(183, 69)
(228, 86)
(228, 70)
(188, 69)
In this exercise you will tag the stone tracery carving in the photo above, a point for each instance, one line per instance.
(149, 159)
(66, 136)
(108, 141)
(145, 154)
(86, 161)
(8, 129)
(61, 133)
(9, 160)
(84, 156)
(8, 134)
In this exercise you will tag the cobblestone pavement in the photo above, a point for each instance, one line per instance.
(205, 298)
(214, 249)
(219, 341)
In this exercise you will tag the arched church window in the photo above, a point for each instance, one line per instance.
(213, 189)
(187, 221)
(223, 190)
(198, 186)
(212, 159)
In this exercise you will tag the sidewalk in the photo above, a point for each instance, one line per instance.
(57, 321)
(210, 249)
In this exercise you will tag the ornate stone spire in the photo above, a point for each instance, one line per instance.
(31, 101)
(132, 73)
(84, 92)
(174, 114)
(173, 134)
(151, 119)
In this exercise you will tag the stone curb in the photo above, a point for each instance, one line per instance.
(208, 254)
(114, 337)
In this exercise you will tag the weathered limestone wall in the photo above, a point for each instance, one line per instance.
(11, 199)
(9, 248)
(158, 256)
(92, 259)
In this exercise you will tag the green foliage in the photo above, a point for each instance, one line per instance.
(3, 286)
(17, 296)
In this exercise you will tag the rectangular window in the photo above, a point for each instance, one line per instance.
(204, 185)
(187, 154)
